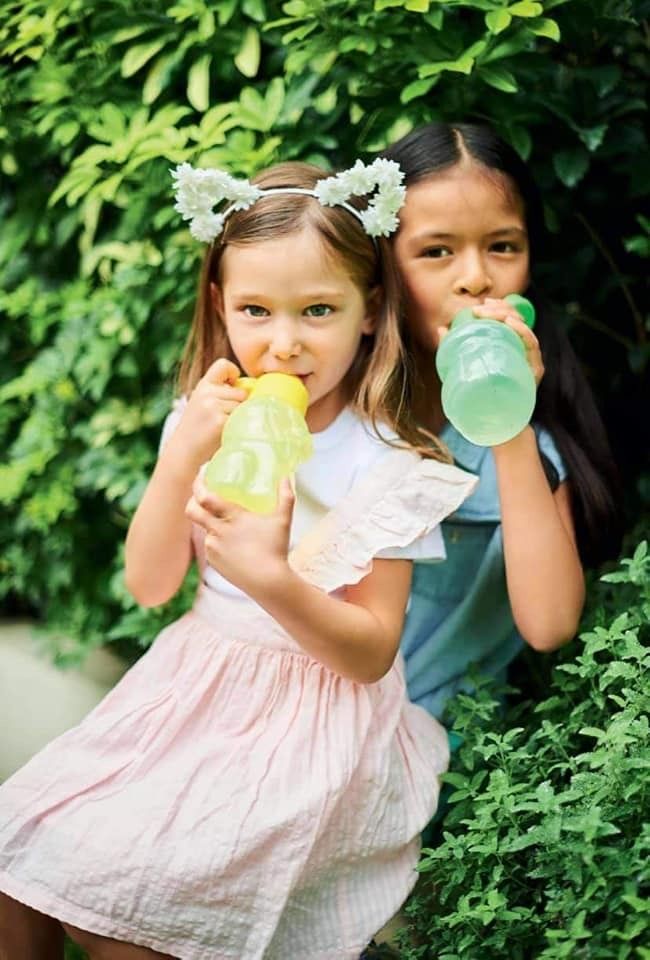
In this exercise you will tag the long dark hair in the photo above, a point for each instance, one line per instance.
(565, 404)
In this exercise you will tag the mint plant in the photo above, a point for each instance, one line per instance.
(545, 850)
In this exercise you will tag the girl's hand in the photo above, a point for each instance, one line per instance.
(210, 404)
(504, 312)
(248, 549)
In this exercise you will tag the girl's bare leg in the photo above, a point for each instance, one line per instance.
(28, 934)
(104, 948)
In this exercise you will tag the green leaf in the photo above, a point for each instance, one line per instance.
(571, 165)
(497, 20)
(592, 137)
(521, 140)
(463, 64)
(508, 48)
(111, 125)
(225, 11)
(418, 6)
(158, 77)
(247, 60)
(417, 89)
(592, 732)
(605, 78)
(526, 8)
(198, 83)
(128, 33)
(296, 8)
(255, 9)
(66, 132)
(136, 57)
(274, 99)
(253, 111)
(544, 27)
(207, 26)
(499, 78)
(435, 18)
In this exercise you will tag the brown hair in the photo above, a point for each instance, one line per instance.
(378, 381)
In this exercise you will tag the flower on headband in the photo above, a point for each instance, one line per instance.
(206, 226)
(380, 216)
(198, 191)
(378, 224)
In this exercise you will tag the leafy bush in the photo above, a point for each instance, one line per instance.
(545, 850)
(97, 274)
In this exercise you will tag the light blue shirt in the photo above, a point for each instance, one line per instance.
(459, 613)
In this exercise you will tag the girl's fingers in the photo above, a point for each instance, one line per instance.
(211, 502)
(502, 311)
(505, 313)
(222, 371)
(195, 512)
(286, 499)
(205, 507)
(229, 403)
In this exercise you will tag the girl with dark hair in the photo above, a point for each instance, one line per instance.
(547, 503)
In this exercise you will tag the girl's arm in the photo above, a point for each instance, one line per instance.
(158, 544)
(543, 570)
(357, 637)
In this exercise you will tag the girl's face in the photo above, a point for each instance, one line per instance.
(462, 238)
(291, 307)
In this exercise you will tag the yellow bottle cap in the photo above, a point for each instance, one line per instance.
(281, 385)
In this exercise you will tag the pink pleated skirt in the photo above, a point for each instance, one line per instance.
(230, 799)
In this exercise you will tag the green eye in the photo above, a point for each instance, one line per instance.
(318, 310)
(254, 310)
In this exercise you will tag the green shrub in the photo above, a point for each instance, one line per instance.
(545, 850)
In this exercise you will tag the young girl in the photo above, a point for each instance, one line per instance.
(256, 784)
(469, 233)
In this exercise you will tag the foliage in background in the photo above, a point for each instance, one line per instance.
(73, 952)
(97, 274)
(545, 851)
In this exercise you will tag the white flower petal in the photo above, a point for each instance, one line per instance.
(206, 227)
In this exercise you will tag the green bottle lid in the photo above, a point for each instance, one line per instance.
(523, 307)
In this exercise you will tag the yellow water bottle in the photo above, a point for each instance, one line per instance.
(264, 440)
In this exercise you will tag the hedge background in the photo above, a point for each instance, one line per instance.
(97, 273)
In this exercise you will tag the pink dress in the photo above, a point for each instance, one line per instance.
(232, 798)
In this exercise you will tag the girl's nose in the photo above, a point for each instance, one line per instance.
(473, 278)
(285, 342)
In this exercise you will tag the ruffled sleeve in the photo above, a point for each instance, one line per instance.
(397, 504)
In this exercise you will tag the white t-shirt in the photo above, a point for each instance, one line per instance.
(344, 453)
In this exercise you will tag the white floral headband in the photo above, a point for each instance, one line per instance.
(198, 191)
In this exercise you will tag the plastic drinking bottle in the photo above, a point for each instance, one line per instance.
(488, 388)
(264, 439)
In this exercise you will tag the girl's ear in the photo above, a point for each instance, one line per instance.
(374, 302)
(217, 299)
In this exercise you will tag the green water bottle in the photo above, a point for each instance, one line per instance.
(265, 438)
(488, 388)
